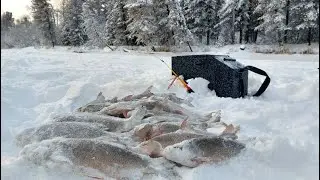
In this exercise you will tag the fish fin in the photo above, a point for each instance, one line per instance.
(178, 112)
(148, 90)
(201, 160)
(157, 132)
(127, 98)
(215, 116)
(114, 100)
(100, 97)
(237, 129)
(125, 113)
(183, 124)
(206, 160)
(209, 115)
(230, 129)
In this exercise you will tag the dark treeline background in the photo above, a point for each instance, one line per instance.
(99, 23)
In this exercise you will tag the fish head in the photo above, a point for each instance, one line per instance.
(142, 131)
(180, 153)
(151, 148)
(139, 112)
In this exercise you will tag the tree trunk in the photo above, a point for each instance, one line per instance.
(124, 19)
(309, 36)
(255, 36)
(240, 36)
(200, 39)
(287, 21)
(279, 38)
(233, 30)
(247, 35)
(208, 37)
(189, 46)
(50, 27)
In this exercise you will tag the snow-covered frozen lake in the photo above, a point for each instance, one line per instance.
(283, 124)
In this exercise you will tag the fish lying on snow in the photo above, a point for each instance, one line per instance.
(196, 151)
(100, 102)
(167, 140)
(146, 131)
(112, 159)
(112, 124)
(97, 104)
(147, 93)
(102, 135)
(70, 130)
(155, 106)
(60, 129)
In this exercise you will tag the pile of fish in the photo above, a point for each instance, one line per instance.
(136, 137)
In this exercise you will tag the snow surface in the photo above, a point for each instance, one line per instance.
(280, 128)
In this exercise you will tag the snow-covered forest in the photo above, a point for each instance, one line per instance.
(101, 23)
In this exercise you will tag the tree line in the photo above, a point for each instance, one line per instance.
(101, 23)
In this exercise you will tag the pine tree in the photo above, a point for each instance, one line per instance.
(172, 26)
(227, 22)
(95, 17)
(235, 17)
(202, 18)
(7, 21)
(24, 33)
(157, 22)
(273, 19)
(305, 18)
(116, 24)
(177, 24)
(251, 34)
(242, 20)
(42, 13)
(141, 23)
(73, 29)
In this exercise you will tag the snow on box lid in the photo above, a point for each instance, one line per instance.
(227, 60)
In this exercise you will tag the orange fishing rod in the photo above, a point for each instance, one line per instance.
(188, 88)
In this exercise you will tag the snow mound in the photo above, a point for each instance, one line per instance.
(200, 86)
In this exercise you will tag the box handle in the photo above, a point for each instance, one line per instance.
(265, 83)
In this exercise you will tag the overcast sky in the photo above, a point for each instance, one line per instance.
(19, 7)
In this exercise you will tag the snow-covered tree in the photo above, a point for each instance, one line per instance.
(42, 12)
(251, 34)
(177, 24)
(172, 28)
(201, 17)
(142, 23)
(305, 18)
(7, 21)
(157, 22)
(234, 17)
(273, 19)
(73, 28)
(116, 24)
(24, 33)
(95, 17)
(242, 18)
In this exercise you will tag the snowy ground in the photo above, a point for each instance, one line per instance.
(283, 122)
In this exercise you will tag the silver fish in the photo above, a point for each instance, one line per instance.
(113, 124)
(111, 159)
(60, 129)
(193, 152)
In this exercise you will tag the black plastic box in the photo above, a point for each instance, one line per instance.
(227, 77)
